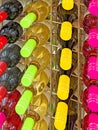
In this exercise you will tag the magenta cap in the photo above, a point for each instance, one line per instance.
(2, 118)
(93, 98)
(93, 7)
(92, 70)
(93, 37)
(93, 122)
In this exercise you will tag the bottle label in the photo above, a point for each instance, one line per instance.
(93, 67)
(93, 38)
(93, 7)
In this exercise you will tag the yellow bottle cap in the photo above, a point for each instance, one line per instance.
(63, 87)
(61, 116)
(67, 4)
(66, 59)
(66, 31)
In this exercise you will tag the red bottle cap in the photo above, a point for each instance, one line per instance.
(3, 41)
(3, 92)
(3, 16)
(3, 67)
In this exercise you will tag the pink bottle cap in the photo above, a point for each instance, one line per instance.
(93, 37)
(92, 70)
(2, 118)
(93, 122)
(93, 7)
(93, 98)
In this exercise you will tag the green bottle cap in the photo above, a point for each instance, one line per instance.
(28, 48)
(27, 21)
(29, 75)
(28, 124)
(24, 102)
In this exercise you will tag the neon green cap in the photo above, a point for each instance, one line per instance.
(27, 21)
(28, 48)
(24, 102)
(29, 75)
(28, 124)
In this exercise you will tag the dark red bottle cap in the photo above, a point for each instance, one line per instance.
(3, 41)
(3, 16)
(3, 67)
(3, 92)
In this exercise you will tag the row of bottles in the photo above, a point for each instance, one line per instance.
(64, 62)
(23, 64)
(90, 71)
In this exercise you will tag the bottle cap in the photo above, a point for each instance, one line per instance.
(3, 67)
(3, 16)
(28, 124)
(67, 4)
(66, 31)
(92, 70)
(93, 122)
(29, 75)
(28, 48)
(27, 21)
(2, 119)
(93, 98)
(93, 37)
(66, 59)
(61, 116)
(93, 7)
(24, 102)
(63, 87)
(3, 41)
(3, 92)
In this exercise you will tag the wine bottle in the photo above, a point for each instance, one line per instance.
(90, 71)
(11, 78)
(10, 10)
(90, 121)
(37, 11)
(36, 35)
(36, 63)
(9, 57)
(36, 112)
(92, 6)
(10, 33)
(89, 99)
(67, 15)
(90, 22)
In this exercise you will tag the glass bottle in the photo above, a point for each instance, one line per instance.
(90, 121)
(10, 10)
(9, 57)
(89, 99)
(13, 122)
(90, 71)
(36, 11)
(67, 15)
(11, 78)
(36, 35)
(38, 61)
(92, 6)
(90, 22)
(37, 110)
(7, 106)
(10, 33)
